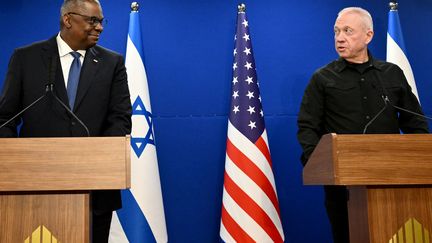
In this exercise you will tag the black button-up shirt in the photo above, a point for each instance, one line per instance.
(343, 97)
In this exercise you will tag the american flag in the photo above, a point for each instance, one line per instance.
(250, 208)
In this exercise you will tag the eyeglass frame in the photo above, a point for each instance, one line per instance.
(92, 20)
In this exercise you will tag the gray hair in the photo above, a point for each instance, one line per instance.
(364, 15)
(68, 5)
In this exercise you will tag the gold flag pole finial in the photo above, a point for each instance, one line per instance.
(393, 6)
(134, 7)
(241, 8)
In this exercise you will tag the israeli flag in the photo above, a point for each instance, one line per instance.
(142, 217)
(396, 51)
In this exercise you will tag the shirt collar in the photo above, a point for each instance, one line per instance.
(341, 63)
(64, 49)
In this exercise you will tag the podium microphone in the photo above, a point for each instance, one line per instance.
(26, 108)
(386, 101)
(50, 88)
(408, 111)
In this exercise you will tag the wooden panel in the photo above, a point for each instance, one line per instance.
(66, 216)
(29, 164)
(322, 163)
(390, 159)
(385, 159)
(391, 208)
(358, 214)
(388, 209)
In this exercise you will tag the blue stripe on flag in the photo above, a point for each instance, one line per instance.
(135, 32)
(133, 220)
(395, 29)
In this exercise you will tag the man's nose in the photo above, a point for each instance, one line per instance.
(99, 27)
(340, 37)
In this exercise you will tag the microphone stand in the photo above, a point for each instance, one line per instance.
(26, 108)
(386, 101)
(50, 88)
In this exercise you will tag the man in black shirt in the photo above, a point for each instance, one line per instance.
(346, 94)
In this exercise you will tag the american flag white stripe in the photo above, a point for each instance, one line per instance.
(247, 223)
(264, 136)
(252, 190)
(251, 151)
(225, 235)
(252, 171)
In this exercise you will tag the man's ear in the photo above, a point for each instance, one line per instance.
(66, 21)
(369, 36)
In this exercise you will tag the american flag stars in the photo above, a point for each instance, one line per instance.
(246, 37)
(248, 65)
(245, 100)
(249, 80)
(245, 23)
(247, 51)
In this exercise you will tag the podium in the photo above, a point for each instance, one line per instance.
(389, 180)
(45, 185)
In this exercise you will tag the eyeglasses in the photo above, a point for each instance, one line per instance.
(92, 20)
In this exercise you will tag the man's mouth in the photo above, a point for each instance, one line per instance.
(341, 48)
(94, 35)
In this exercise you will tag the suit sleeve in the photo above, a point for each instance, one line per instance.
(310, 118)
(410, 123)
(10, 102)
(118, 121)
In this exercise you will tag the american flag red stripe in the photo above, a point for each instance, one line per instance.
(250, 169)
(263, 147)
(237, 232)
(250, 208)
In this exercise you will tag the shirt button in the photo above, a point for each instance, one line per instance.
(73, 123)
(362, 79)
(367, 117)
(365, 97)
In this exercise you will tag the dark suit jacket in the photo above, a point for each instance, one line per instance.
(102, 101)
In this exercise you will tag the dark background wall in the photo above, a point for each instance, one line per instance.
(188, 56)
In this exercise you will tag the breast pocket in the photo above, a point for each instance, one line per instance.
(340, 90)
(342, 97)
(394, 91)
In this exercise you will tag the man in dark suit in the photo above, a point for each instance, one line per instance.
(99, 96)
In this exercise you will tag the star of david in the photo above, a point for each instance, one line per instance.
(139, 143)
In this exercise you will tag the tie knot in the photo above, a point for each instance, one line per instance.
(75, 54)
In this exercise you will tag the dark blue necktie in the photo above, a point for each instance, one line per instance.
(74, 74)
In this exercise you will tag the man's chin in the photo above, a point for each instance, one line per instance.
(91, 42)
(343, 54)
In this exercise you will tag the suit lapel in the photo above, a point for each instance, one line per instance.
(50, 50)
(88, 71)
